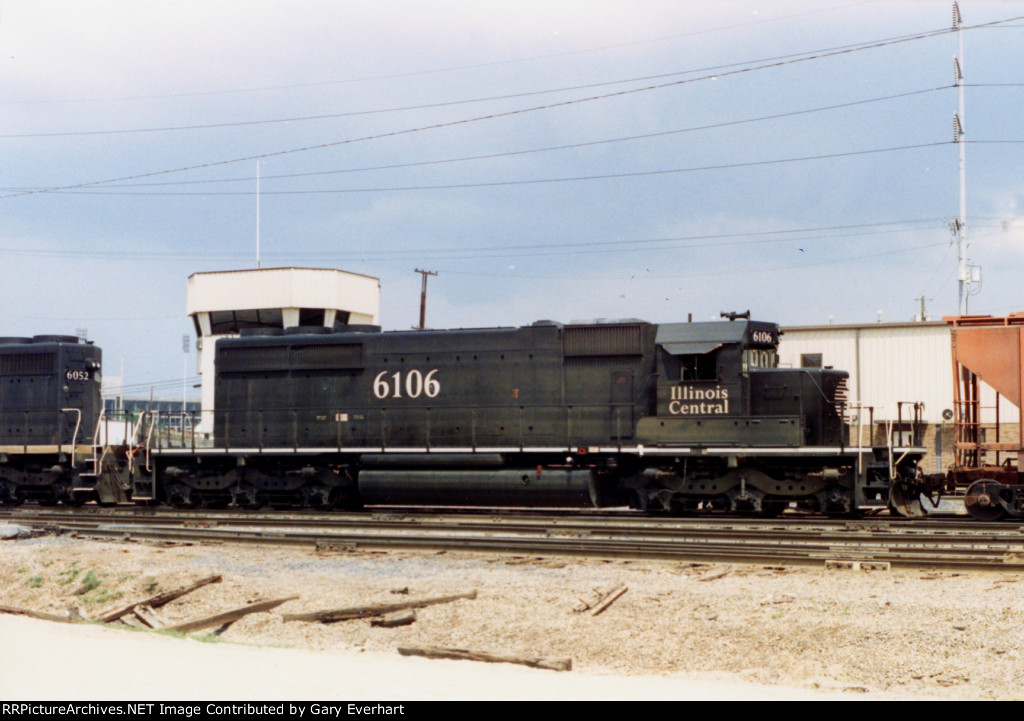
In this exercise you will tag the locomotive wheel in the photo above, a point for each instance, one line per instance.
(247, 496)
(60, 493)
(320, 498)
(75, 500)
(905, 500)
(982, 501)
(181, 496)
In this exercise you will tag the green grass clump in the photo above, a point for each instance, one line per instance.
(101, 596)
(67, 576)
(90, 581)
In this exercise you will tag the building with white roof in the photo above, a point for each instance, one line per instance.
(222, 304)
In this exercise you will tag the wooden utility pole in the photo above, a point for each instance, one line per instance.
(423, 296)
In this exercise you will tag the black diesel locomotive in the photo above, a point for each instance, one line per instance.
(49, 409)
(677, 417)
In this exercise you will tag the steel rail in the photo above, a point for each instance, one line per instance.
(623, 523)
(784, 543)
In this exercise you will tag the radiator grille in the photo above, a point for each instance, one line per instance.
(19, 364)
(282, 358)
(603, 340)
(840, 399)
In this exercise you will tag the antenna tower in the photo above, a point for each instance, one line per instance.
(967, 275)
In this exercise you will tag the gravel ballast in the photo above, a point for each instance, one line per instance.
(887, 634)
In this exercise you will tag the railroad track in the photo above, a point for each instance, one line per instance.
(940, 543)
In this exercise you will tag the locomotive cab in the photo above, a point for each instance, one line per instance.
(730, 415)
(720, 383)
(703, 384)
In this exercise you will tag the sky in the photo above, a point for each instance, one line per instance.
(548, 160)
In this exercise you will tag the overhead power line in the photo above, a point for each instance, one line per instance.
(492, 116)
(550, 246)
(452, 103)
(497, 183)
(732, 270)
(570, 146)
(157, 385)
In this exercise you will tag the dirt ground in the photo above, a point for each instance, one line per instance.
(679, 631)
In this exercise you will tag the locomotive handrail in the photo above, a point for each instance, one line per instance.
(74, 436)
(859, 407)
(820, 390)
(889, 424)
(888, 445)
(149, 437)
(914, 423)
(101, 422)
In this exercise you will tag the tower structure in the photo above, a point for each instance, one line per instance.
(222, 304)
(967, 275)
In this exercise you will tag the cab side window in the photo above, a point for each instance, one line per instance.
(699, 367)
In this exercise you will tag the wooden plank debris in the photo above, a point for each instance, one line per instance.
(148, 616)
(156, 601)
(222, 628)
(609, 599)
(231, 616)
(458, 654)
(354, 612)
(398, 618)
(71, 617)
(599, 596)
(585, 604)
(130, 619)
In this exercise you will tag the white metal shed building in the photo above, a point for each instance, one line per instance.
(888, 363)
